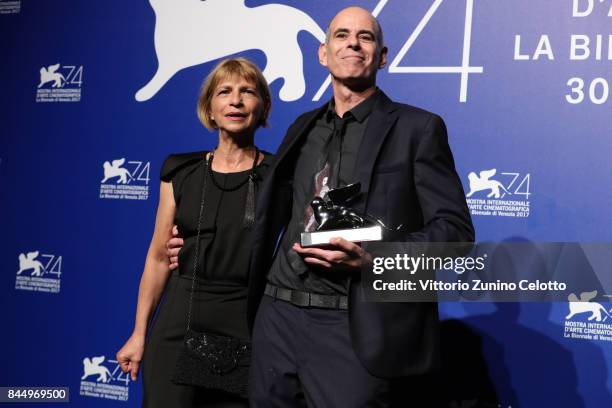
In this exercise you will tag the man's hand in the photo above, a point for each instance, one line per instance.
(340, 254)
(173, 246)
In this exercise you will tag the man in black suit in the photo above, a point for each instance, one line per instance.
(315, 339)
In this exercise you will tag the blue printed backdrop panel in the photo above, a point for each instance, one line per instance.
(96, 95)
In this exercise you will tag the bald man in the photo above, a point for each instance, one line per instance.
(316, 342)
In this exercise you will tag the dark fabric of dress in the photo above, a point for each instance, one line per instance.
(219, 301)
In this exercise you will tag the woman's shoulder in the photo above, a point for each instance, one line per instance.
(266, 163)
(178, 161)
(268, 158)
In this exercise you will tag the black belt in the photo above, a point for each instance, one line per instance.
(306, 299)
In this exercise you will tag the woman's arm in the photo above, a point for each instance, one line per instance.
(152, 283)
(156, 269)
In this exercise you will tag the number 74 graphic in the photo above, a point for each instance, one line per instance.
(464, 69)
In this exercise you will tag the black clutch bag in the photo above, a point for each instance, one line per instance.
(214, 361)
(211, 360)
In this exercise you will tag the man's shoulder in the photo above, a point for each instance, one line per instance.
(413, 120)
(404, 109)
(411, 117)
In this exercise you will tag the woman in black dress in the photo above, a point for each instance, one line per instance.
(235, 100)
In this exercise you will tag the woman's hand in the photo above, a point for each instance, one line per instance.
(130, 355)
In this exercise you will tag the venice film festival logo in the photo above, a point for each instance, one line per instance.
(104, 379)
(125, 180)
(39, 272)
(273, 29)
(60, 83)
(10, 6)
(587, 320)
(506, 195)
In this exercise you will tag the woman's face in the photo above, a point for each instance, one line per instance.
(236, 106)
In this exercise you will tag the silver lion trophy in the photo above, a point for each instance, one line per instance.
(335, 218)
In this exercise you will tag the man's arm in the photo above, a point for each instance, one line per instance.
(446, 217)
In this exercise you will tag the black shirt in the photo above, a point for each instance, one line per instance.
(288, 270)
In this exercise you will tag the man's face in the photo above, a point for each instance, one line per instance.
(352, 53)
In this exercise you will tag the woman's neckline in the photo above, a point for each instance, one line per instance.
(263, 159)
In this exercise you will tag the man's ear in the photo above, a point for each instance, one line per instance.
(323, 55)
(383, 58)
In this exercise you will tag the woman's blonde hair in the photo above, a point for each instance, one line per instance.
(229, 68)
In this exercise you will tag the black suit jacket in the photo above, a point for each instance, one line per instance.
(408, 177)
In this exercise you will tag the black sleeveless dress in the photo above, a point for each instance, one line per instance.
(220, 295)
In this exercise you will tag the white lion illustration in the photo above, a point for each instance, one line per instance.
(482, 182)
(584, 305)
(95, 367)
(49, 75)
(29, 262)
(192, 32)
(114, 169)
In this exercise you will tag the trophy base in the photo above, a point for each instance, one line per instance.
(354, 234)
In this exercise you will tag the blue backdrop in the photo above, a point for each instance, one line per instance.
(523, 86)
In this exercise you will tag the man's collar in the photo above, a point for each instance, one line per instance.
(359, 112)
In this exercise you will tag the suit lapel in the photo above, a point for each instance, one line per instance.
(276, 180)
(379, 124)
(298, 133)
